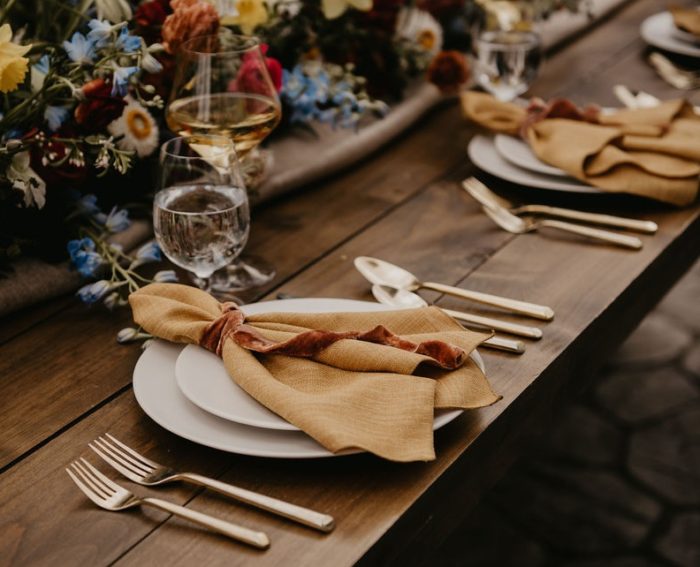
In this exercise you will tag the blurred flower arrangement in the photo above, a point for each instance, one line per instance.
(83, 85)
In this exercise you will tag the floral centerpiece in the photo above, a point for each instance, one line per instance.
(83, 85)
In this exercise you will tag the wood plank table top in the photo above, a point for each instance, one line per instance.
(64, 380)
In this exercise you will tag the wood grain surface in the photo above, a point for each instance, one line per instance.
(64, 380)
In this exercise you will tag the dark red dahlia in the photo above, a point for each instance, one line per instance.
(99, 107)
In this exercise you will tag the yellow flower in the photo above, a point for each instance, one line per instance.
(13, 66)
(251, 13)
(335, 8)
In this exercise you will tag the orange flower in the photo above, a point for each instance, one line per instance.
(448, 71)
(191, 18)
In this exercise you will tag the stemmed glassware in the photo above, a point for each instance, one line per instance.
(201, 215)
(507, 61)
(222, 86)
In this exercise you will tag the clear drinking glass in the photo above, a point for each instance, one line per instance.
(222, 86)
(507, 62)
(201, 215)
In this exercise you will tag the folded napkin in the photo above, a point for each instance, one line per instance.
(344, 378)
(653, 152)
(686, 19)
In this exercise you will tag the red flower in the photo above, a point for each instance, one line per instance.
(99, 108)
(149, 17)
(274, 67)
(250, 78)
(448, 70)
(191, 18)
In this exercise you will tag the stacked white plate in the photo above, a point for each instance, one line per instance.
(510, 158)
(186, 390)
(660, 31)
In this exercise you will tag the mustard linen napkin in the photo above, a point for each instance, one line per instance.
(653, 152)
(686, 19)
(352, 394)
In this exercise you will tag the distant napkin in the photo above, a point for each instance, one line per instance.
(652, 152)
(686, 19)
(350, 380)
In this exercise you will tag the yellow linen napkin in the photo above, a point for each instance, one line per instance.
(351, 394)
(653, 152)
(686, 19)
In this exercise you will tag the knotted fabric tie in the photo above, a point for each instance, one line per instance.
(231, 324)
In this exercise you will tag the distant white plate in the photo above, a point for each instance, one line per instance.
(660, 31)
(518, 152)
(160, 397)
(483, 153)
(203, 379)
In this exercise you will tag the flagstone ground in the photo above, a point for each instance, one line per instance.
(616, 482)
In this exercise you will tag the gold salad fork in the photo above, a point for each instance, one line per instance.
(146, 472)
(109, 495)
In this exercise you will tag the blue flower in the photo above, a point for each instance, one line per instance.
(85, 259)
(100, 32)
(165, 276)
(116, 221)
(149, 252)
(93, 292)
(42, 65)
(120, 80)
(80, 49)
(55, 116)
(127, 42)
(87, 205)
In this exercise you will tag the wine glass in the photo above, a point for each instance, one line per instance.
(507, 62)
(201, 215)
(222, 86)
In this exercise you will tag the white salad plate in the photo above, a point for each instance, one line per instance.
(157, 392)
(483, 153)
(660, 31)
(518, 152)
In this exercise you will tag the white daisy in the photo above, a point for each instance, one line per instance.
(136, 129)
(419, 27)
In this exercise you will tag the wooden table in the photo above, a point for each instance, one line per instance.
(65, 380)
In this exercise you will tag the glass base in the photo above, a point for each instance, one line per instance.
(247, 273)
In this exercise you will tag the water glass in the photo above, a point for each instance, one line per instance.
(201, 214)
(507, 62)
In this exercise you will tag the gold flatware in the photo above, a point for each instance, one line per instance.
(380, 272)
(146, 472)
(109, 495)
(395, 297)
(635, 99)
(518, 225)
(672, 74)
(488, 198)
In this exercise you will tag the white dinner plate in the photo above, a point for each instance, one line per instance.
(518, 152)
(203, 379)
(159, 396)
(660, 31)
(483, 153)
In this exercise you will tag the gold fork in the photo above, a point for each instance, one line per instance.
(109, 495)
(146, 472)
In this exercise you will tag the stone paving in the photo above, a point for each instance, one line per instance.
(617, 480)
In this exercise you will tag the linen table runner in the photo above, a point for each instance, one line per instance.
(652, 152)
(351, 393)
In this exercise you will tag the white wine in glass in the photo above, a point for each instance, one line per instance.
(246, 118)
(222, 86)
